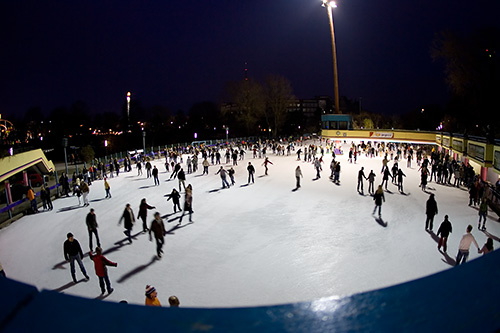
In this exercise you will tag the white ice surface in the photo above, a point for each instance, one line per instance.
(254, 245)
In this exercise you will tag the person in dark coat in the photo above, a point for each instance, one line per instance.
(73, 251)
(64, 182)
(100, 263)
(155, 175)
(91, 222)
(251, 171)
(361, 175)
(182, 178)
(143, 213)
(431, 210)
(175, 196)
(444, 230)
(378, 197)
(158, 229)
(188, 203)
(400, 176)
(128, 217)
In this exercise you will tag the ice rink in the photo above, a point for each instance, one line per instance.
(252, 245)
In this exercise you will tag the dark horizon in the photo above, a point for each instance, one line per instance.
(178, 54)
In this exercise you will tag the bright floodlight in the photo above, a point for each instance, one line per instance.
(328, 3)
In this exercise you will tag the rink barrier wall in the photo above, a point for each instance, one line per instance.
(460, 299)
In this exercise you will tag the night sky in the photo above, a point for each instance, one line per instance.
(177, 53)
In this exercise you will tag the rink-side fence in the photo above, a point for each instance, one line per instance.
(460, 299)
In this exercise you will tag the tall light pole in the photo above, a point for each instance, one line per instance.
(128, 109)
(329, 5)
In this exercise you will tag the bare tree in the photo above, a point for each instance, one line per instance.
(278, 91)
(248, 97)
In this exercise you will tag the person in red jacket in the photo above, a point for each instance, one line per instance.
(100, 263)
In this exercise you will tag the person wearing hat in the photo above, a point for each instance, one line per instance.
(151, 299)
(72, 252)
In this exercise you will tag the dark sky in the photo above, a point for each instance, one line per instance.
(176, 53)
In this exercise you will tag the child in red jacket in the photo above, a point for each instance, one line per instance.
(100, 263)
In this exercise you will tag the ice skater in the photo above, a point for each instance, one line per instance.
(175, 196)
(483, 213)
(371, 181)
(100, 263)
(400, 176)
(385, 178)
(143, 213)
(378, 197)
(151, 296)
(431, 209)
(231, 173)
(317, 166)
(129, 219)
(266, 162)
(72, 252)
(155, 176)
(107, 188)
(361, 176)
(251, 171)
(298, 175)
(91, 222)
(444, 230)
(158, 229)
(464, 246)
(188, 203)
(223, 174)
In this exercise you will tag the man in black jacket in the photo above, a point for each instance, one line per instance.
(91, 221)
(431, 211)
(72, 252)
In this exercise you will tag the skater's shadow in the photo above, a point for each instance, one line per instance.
(429, 189)
(138, 179)
(405, 194)
(261, 176)
(130, 177)
(66, 286)
(60, 265)
(167, 215)
(176, 227)
(96, 200)
(136, 270)
(215, 190)
(490, 235)
(381, 222)
(433, 236)
(65, 209)
(447, 259)
(314, 179)
(388, 191)
(120, 242)
(102, 296)
(244, 185)
(146, 186)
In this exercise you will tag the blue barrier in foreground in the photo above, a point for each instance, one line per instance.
(461, 299)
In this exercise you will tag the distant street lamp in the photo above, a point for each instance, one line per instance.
(128, 109)
(329, 5)
(144, 143)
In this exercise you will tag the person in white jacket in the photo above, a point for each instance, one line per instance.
(298, 174)
(463, 248)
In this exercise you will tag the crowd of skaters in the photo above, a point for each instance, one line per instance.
(441, 167)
